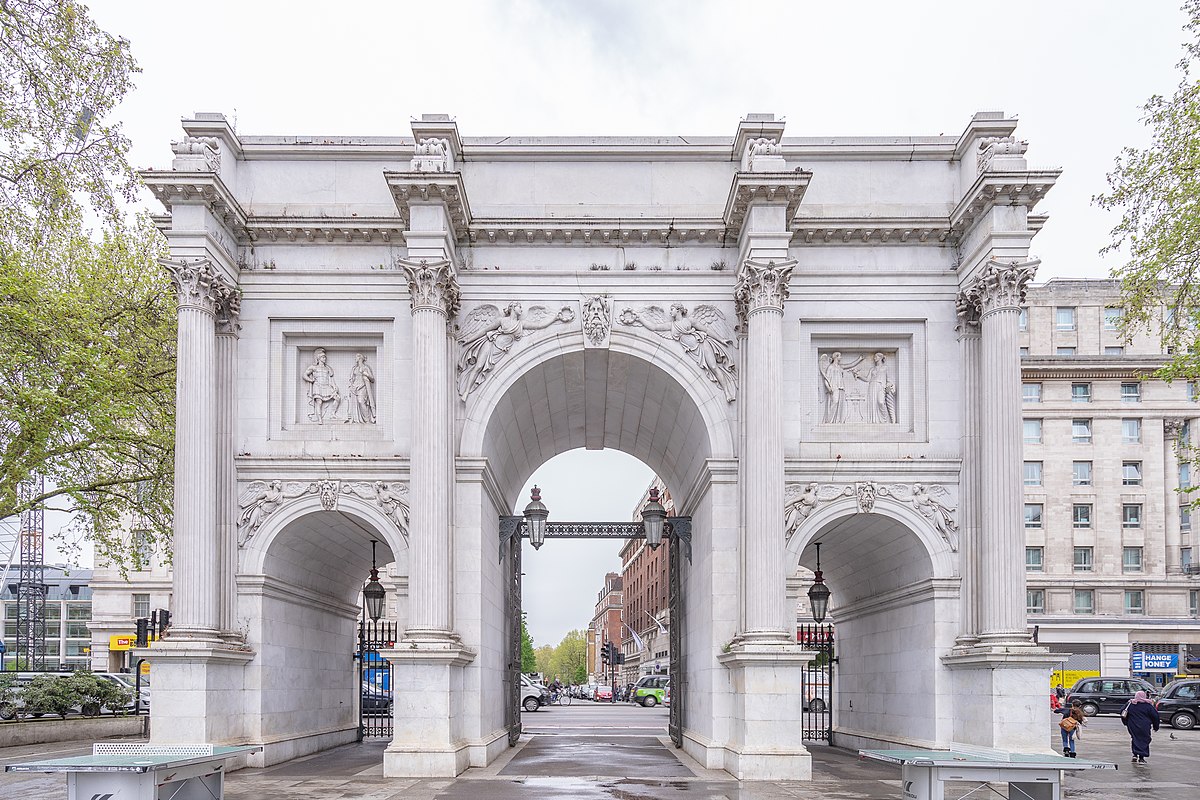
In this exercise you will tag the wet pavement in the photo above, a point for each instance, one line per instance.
(601, 752)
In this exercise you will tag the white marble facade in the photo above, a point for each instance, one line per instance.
(809, 339)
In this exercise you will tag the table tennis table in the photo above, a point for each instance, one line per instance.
(138, 771)
(925, 773)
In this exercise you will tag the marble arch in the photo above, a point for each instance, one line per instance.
(804, 309)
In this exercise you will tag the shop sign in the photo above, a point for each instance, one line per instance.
(1154, 662)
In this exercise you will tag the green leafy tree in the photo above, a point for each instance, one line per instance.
(528, 658)
(569, 663)
(51, 694)
(97, 693)
(1157, 191)
(8, 697)
(86, 315)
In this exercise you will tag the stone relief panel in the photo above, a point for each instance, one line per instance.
(858, 386)
(261, 499)
(487, 334)
(337, 385)
(597, 320)
(704, 334)
(929, 500)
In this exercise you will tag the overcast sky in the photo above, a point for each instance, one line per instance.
(1074, 72)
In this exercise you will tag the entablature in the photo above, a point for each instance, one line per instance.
(995, 188)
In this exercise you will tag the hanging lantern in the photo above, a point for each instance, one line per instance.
(818, 593)
(536, 514)
(654, 516)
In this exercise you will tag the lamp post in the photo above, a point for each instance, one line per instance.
(653, 518)
(373, 592)
(536, 514)
(818, 593)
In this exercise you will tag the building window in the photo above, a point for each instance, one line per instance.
(1085, 602)
(141, 606)
(1081, 431)
(1131, 431)
(1033, 473)
(1064, 351)
(1193, 391)
(1135, 601)
(1033, 559)
(1194, 602)
(1031, 392)
(1081, 473)
(1064, 319)
(1035, 601)
(1023, 319)
(1131, 559)
(1110, 350)
(1185, 475)
(1023, 351)
(1131, 473)
(1033, 431)
(1112, 319)
(1131, 515)
(1080, 392)
(1083, 559)
(1185, 518)
(1131, 393)
(1185, 557)
(1033, 515)
(1081, 515)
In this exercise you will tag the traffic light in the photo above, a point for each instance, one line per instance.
(604, 652)
(143, 632)
(164, 622)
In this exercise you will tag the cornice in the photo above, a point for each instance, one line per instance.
(173, 188)
(1090, 366)
(770, 186)
(446, 187)
(995, 188)
(344, 230)
(873, 231)
(598, 231)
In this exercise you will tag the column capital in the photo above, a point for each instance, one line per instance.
(433, 285)
(1172, 427)
(198, 285)
(762, 286)
(999, 285)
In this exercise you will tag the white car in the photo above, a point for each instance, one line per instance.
(533, 695)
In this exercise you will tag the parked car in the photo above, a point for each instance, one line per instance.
(533, 695)
(589, 692)
(1179, 704)
(603, 694)
(649, 691)
(1107, 695)
(375, 699)
(128, 682)
(667, 695)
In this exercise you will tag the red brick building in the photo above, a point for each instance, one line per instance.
(606, 623)
(645, 575)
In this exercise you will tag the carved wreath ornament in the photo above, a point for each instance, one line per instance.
(261, 499)
(928, 500)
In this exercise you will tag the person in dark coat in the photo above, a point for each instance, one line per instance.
(1139, 717)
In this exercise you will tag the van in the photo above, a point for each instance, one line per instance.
(650, 690)
(533, 695)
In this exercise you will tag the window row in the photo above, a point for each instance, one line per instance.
(1081, 473)
(1084, 559)
(1081, 391)
(1081, 515)
(1085, 601)
(1064, 318)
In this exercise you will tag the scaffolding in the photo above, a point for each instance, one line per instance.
(31, 583)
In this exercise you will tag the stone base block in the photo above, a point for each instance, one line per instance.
(427, 680)
(1009, 696)
(408, 761)
(198, 692)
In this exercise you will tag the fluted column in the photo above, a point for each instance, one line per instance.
(968, 551)
(998, 292)
(197, 558)
(760, 295)
(1172, 427)
(434, 289)
(226, 492)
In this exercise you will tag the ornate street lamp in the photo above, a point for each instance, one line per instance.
(818, 593)
(536, 514)
(653, 518)
(373, 592)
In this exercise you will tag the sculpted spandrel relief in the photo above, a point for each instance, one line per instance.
(324, 397)
(858, 387)
(487, 334)
(929, 500)
(704, 335)
(261, 499)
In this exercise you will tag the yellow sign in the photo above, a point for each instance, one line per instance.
(145, 667)
(1069, 677)
(121, 642)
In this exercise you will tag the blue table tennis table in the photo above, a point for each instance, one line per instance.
(925, 773)
(138, 771)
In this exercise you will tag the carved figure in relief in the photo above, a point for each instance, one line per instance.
(801, 502)
(836, 375)
(394, 502)
(362, 391)
(262, 499)
(925, 499)
(846, 397)
(879, 392)
(324, 397)
(487, 334)
(704, 335)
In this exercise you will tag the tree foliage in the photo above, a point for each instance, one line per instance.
(1157, 191)
(86, 316)
(528, 658)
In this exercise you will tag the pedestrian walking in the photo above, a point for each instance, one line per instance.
(1140, 716)
(1071, 726)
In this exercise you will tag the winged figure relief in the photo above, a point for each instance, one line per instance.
(487, 334)
(704, 335)
(931, 502)
(392, 499)
(800, 500)
(262, 499)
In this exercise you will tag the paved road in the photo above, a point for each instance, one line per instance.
(600, 752)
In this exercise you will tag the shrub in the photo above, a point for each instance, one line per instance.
(51, 694)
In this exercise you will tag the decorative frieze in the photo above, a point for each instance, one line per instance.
(929, 500)
(487, 334)
(761, 286)
(432, 285)
(262, 499)
(704, 335)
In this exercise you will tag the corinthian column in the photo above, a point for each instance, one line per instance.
(998, 292)
(226, 490)
(968, 337)
(1172, 427)
(761, 291)
(433, 286)
(197, 557)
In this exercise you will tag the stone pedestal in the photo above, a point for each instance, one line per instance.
(429, 741)
(1001, 697)
(766, 740)
(198, 692)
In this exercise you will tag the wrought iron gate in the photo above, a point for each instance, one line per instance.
(510, 558)
(681, 545)
(375, 679)
(817, 685)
